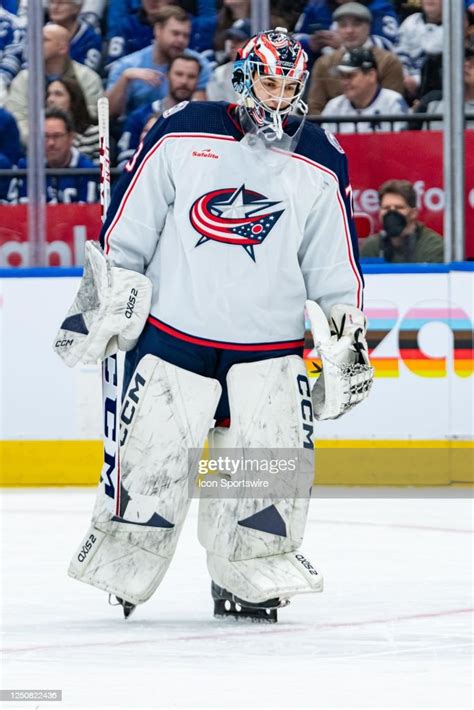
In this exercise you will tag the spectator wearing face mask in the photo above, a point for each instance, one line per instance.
(403, 238)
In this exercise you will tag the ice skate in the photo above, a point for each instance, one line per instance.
(227, 605)
(128, 607)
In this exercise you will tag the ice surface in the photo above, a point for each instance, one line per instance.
(393, 628)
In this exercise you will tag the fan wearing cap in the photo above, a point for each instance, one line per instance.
(353, 23)
(317, 30)
(363, 96)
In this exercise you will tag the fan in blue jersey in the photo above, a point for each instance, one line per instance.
(130, 25)
(10, 147)
(60, 154)
(227, 218)
(315, 29)
(10, 6)
(183, 77)
(85, 43)
(12, 45)
(130, 29)
(141, 78)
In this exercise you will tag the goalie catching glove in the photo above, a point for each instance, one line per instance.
(346, 376)
(108, 313)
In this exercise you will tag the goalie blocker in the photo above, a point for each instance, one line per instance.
(108, 312)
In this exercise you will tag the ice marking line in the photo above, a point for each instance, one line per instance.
(244, 633)
(392, 525)
(396, 651)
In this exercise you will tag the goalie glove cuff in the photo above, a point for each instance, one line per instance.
(349, 324)
(347, 376)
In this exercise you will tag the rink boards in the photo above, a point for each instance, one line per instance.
(416, 428)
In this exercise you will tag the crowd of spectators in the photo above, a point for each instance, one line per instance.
(366, 59)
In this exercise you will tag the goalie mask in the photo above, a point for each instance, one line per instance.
(270, 75)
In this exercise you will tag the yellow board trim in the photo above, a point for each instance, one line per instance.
(338, 462)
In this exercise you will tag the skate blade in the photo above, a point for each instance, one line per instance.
(225, 609)
(127, 607)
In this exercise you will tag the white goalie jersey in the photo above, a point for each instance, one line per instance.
(232, 259)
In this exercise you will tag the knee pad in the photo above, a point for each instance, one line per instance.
(166, 412)
(270, 405)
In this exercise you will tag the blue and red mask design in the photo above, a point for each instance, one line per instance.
(234, 215)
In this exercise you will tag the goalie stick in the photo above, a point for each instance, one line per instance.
(110, 475)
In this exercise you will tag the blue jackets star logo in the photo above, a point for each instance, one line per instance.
(234, 216)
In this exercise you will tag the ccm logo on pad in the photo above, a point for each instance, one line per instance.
(64, 343)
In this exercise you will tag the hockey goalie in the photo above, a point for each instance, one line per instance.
(228, 219)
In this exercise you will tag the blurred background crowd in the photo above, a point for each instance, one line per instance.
(366, 59)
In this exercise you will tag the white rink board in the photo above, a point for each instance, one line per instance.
(44, 400)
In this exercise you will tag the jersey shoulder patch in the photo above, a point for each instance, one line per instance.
(175, 109)
(333, 141)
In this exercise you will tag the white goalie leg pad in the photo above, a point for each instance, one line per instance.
(166, 413)
(252, 541)
(263, 578)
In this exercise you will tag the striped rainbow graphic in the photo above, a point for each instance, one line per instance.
(417, 361)
(382, 321)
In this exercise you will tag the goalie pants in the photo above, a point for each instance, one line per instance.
(203, 360)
